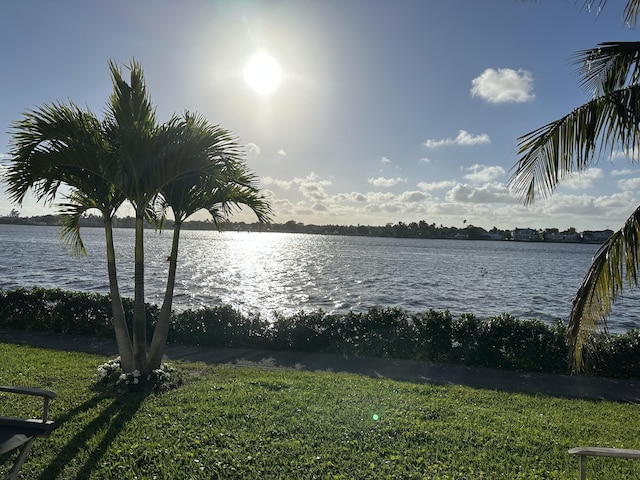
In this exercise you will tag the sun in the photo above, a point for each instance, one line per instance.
(262, 73)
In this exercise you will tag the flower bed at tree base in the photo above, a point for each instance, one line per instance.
(497, 342)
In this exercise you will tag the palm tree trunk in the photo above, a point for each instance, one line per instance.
(139, 310)
(161, 331)
(119, 323)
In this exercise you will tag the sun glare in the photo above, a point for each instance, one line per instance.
(262, 73)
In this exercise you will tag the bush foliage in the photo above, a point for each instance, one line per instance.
(498, 342)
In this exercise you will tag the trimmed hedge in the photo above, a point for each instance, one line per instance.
(497, 342)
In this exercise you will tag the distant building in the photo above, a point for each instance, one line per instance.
(598, 236)
(525, 235)
(562, 237)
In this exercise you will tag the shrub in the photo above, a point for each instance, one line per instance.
(433, 339)
(54, 310)
(220, 326)
(312, 332)
(381, 332)
(498, 342)
(613, 355)
(506, 342)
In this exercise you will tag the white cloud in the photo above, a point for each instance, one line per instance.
(312, 187)
(629, 184)
(386, 182)
(412, 197)
(614, 208)
(282, 153)
(624, 155)
(483, 173)
(284, 184)
(622, 173)
(464, 138)
(428, 186)
(503, 85)
(313, 190)
(489, 193)
(584, 180)
(424, 160)
(385, 160)
(252, 148)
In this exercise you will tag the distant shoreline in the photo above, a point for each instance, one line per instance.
(419, 230)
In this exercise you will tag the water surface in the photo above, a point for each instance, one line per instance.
(278, 272)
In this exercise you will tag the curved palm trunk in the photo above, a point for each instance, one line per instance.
(119, 323)
(139, 310)
(161, 331)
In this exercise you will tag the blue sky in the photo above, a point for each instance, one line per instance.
(387, 111)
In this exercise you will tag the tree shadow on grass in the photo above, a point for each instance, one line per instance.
(99, 433)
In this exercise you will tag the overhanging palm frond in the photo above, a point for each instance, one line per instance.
(631, 10)
(615, 265)
(608, 67)
(233, 197)
(70, 214)
(46, 144)
(576, 141)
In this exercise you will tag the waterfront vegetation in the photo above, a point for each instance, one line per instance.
(502, 341)
(249, 423)
(420, 229)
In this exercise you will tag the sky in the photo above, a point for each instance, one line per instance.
(386, 110)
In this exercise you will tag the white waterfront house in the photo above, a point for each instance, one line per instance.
(526, 235)
(598, 236)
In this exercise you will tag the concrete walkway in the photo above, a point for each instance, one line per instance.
(405, 370)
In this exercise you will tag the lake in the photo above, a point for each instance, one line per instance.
(285, 273)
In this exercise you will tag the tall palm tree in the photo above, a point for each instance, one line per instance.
(576, 142)
(185, 165)
(148, 157)
(131, 126)
(59, 145)
(226, 185)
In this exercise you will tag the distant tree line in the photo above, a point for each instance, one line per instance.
(420, 229)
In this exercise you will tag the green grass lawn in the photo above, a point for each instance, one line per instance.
(244, 423)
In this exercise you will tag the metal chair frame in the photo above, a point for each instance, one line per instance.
(18, 433)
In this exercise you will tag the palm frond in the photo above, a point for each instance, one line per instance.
(130, 126)
(615, 265)
(575, 142)
(47, 142)
(631, 11)
(608, 67)
(70, 214)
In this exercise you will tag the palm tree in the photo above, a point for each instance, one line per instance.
(131, 127)
(59, 145)
(185, 165)
(149, 157)
(227, 184)
(576, 142)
